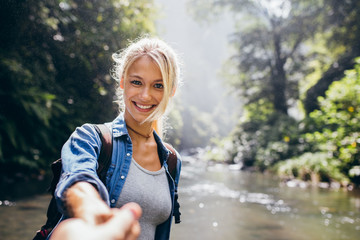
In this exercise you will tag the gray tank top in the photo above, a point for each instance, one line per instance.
(151, 191)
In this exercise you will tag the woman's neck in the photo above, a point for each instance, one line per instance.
(139, 131)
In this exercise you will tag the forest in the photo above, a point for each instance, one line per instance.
(295, 72)
(55, 62)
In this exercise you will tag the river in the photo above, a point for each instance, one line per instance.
(219, 203)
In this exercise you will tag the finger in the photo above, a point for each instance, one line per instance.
(134, 208)
(134, 232)
(120, 225)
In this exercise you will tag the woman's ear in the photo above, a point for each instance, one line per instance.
(122, 83)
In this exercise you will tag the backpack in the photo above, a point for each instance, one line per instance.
(104, 160)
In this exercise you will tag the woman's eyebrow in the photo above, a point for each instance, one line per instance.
(139, 77)
(135, 76)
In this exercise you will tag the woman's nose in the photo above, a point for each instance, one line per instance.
(145, 94)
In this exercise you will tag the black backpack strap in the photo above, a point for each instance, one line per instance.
(172, 160)
(172, 164)
(106, 150)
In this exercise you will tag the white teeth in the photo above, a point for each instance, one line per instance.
(144, 107)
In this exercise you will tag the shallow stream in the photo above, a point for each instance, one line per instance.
(218, 203)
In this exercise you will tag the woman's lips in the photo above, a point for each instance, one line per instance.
(143, 108)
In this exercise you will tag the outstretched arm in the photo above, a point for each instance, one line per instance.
(94, 220)
(79, 163)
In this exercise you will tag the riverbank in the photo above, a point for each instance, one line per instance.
(292, 173)
(22, 186)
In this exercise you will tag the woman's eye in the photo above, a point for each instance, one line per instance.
(159, 85)
(135, 82)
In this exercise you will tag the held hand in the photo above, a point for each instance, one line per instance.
(123, 225)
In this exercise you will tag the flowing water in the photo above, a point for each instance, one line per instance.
(217, 203)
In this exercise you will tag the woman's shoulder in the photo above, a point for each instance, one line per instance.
(86, 130)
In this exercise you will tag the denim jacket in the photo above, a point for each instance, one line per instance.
(79, 158)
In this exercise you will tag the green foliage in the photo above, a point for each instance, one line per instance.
(338, 122)
(55, 58)
(316, 167)
(332, 135)
(320, 59)
(336, 51)
(263, 142)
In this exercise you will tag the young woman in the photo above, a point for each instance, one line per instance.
(148, 75)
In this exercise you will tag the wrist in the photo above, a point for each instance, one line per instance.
(77, 198)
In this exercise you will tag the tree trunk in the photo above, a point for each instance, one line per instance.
(278, 79)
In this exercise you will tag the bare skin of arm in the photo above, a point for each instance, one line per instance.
(83, 201)
(92, 219)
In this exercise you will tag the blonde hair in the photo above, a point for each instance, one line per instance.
(164, 57)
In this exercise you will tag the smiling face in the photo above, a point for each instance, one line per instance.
(143, 89)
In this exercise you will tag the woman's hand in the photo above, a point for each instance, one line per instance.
(84, 202)
(122, 225)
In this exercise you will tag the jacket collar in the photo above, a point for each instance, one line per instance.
(119, 126)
